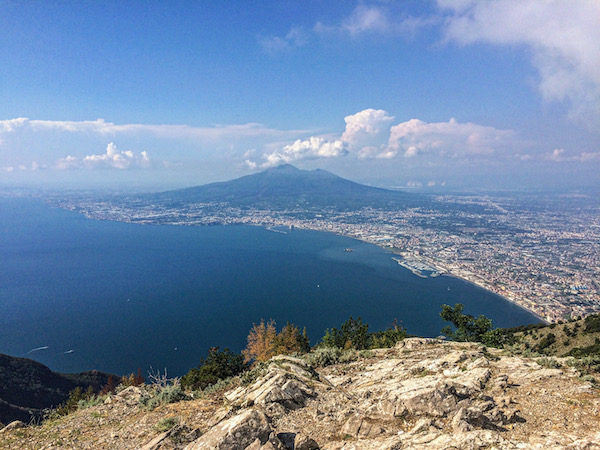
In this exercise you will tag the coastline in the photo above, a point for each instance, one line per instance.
(271, 226)
(514, 302)
(444, 272)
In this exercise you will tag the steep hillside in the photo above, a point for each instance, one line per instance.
(423, 393)
(578, 338)
(28, 387)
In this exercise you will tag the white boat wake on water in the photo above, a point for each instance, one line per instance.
(37, 349)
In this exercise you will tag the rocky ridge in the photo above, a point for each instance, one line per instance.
(423, 393)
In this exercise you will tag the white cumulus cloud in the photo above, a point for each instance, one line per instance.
(443, 139)
(311, 148)
(111, 159)
(365, 129)
(10, 125)
(563, 38)
(369, 134)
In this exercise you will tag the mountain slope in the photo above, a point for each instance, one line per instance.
(423, 393)
(286, 186)
(28, 387)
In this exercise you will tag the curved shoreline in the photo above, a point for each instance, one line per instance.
(446, 273)
(271, 227)
(450, 274)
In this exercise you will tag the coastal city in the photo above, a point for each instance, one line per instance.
(542, 253)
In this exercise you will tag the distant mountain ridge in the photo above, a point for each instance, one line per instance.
(28, 387)
(287, 186)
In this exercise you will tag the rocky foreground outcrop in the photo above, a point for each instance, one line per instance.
(423, 393)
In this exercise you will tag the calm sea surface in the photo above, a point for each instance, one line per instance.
(79, 294)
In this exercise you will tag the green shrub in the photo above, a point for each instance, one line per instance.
(549, 363)
(592, 324)
(166, 424)
(589, 379)
(163, 396)
(219, 386)
(77, 399)
(348, 356)
(352, 334)
(389, 337)
(90, 401)
(250, 376)
(587, 364)
(545, 342)
(218, 365)
(466, 327)
(365, 354)
(497, 338)
(324, 356)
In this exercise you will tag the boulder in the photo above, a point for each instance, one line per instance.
(237, 433)
(285, 383)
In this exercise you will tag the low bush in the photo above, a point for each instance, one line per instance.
(324, 356)
(592, 324)
(545, 342)
(250, 376)
(352, 334)
(218, 365)
(580, 352)
(163, 396)
(549, 363)
(587, 364)
(166, 424)
(389, 337)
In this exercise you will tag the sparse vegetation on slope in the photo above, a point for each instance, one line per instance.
(28, 389)
(422, 393)
(576, 338)
(182, 410)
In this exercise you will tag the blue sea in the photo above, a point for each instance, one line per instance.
(79, 294)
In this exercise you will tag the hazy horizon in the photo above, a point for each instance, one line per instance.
(429, 95)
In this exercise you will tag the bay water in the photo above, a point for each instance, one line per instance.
(78, 294)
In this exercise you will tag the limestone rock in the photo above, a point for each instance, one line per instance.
(285, 383)
(236, 433)
(361, 427)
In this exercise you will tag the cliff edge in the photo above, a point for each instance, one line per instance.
(423, 393)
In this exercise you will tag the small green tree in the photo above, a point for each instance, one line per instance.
(352, 334)
(389, 337)
(466, 327)
(217, 365)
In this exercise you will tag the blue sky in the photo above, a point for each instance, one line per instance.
(445, 94)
